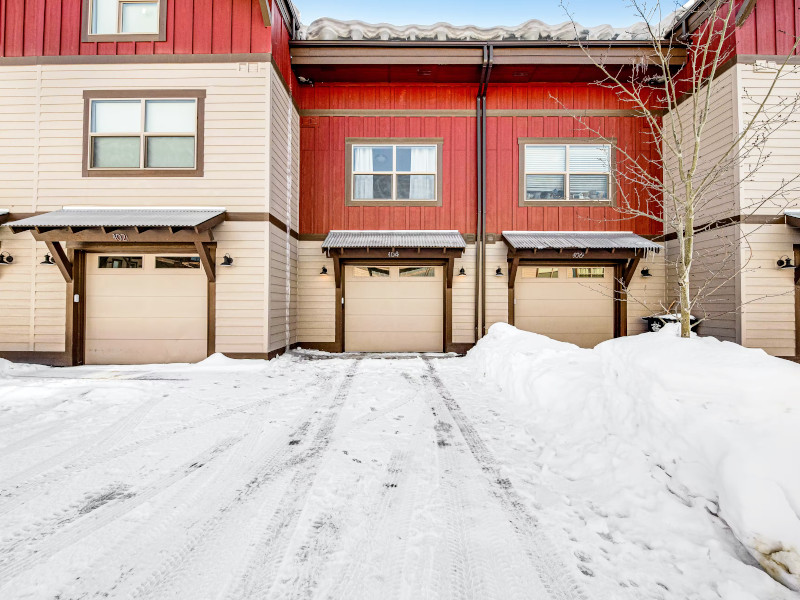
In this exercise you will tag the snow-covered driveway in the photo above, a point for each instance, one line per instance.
(309, 476)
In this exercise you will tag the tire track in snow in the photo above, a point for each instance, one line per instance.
(11, 565)
(37, 485)
(542, 553)
(250, 488)
(270, 550)
(22, 482)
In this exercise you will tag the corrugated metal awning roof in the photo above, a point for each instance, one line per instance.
(394, 239)
(598, 240)
(118, 217)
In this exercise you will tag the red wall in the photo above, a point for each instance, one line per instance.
(322, 155)
(53, 27)
(770, 29)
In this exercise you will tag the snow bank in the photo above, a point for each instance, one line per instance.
(720, 420)
(8, 368)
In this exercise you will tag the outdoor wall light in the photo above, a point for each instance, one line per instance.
(227, 261)
(6, 258)
(498, 272)
(646, 272)
(784, 262)
(324, 270)
(462, 272)
(48, 260)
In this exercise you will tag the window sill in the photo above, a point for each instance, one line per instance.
(393, 203)
(143, 173)
(566, 203)
(125, 37)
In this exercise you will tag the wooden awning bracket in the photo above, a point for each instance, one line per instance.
(60, 258)
(207, 261)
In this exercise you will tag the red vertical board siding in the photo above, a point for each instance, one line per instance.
(280, 46)
(53, 27)
(34, 28)
(322, 190)
(14, 32)
(221, 14)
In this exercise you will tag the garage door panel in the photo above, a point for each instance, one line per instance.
(388, 324)
(393, 306)
(575, 310)
(145, 315)
(131, 352)
(144, 284)
(394, 314)
(175, 307)
(161, 329)
(557, 325)
(400, 341)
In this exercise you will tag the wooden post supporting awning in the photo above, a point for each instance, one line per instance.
(123, 226)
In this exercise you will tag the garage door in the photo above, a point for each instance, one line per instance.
(570, 304)
(145, 308)
(393, 309)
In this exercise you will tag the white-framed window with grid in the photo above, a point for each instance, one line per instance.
(568, 173)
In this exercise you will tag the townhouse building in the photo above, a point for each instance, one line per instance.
(188, 178)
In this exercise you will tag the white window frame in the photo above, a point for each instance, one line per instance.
(88, 35)
(567, 144)
(350, 147)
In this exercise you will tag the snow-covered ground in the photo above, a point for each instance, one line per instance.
(528, 469)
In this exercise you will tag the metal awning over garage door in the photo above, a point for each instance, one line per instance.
(122, 225)
(394, 288)
(572, 285)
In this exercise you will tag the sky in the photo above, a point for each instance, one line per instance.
(468, 12)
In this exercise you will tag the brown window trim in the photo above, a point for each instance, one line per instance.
(199, 95)
(348, 171)
(612, 187)
(161, 36)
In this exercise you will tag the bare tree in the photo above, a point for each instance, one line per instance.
(676, 182)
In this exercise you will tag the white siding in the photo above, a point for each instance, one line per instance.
(496, 287)
(781, 149)
(464, 298)
(647, 295)
(282, 289)
(768, 293)
(241, 300)
(317, 295)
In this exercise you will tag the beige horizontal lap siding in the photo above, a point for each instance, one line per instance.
(240, 288)
(647, 295)
(284, 191)
(768, 293)
(277, 288)
(718, 136)
(496, 287)
(781, 152)
(463, 317)
(714, 269)
(235, 129)
(316, 295)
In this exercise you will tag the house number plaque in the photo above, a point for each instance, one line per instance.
(120, 237)
(394, 254)
(578, 254)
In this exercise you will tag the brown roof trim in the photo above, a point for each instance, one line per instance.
(471, 53)
(729, 221)
(134, 59)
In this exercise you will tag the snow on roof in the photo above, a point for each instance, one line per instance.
(604, 240)
(326, 29)
(394, 239)
(118, 217)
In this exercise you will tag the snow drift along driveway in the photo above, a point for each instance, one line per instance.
(658, 420)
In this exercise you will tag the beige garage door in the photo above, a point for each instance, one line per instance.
(569, 304)
(145, 308)
(393, 309)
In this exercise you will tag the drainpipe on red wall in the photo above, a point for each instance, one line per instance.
(480, 237)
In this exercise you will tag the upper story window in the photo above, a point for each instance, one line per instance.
(124, 20)
(559, 172)
(383, 172)
(133, 133)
